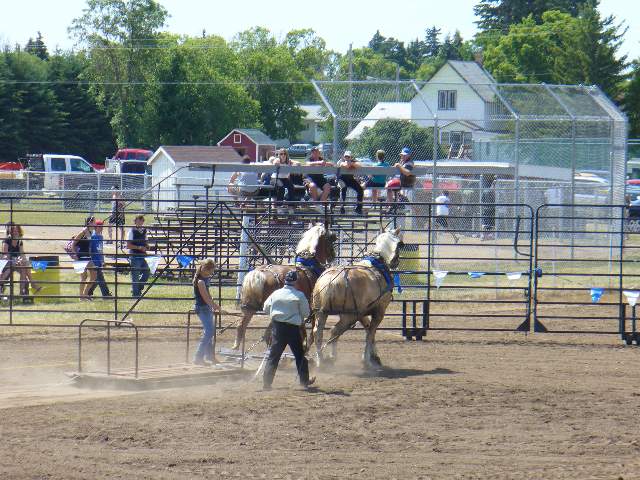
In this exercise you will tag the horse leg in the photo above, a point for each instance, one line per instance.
(247, 315)
(318, 331)
(371, 358)
(344, 324)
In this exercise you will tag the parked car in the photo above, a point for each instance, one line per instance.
(633, 188)
(300, 150)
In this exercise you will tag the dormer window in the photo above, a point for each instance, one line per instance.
(447, 99)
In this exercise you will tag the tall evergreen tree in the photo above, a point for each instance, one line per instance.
(631, 102)
(39, 116)
(37, 47)
(87, 131)
(432, 41)
(500, 14)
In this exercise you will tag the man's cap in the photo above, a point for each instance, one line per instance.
(98, 222)
(347, 153)
(291, 277)
(380, 152)
(315, 148)
(405, 151)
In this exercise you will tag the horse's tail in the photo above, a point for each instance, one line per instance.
(253, 287)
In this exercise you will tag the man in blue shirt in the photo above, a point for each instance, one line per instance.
(97, 257)
(287, 308)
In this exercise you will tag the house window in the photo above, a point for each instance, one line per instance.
(237, 138)
(447, 99)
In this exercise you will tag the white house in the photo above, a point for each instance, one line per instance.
(459, 95)
(312, 121)
(176, 183)
(395, 110)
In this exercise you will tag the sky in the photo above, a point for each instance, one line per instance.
(340, 23)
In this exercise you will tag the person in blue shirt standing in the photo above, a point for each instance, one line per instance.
(287, 308)
(97, 257)
(204, 307)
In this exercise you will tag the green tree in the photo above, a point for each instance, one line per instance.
(10, 135)
(194, 98)
(499, 15)
(392, 136)
(121, 36)
(631, 101)
(432, 41)
(311, 57)
(38, 120)
(562, 49)
(87, 131)
(37, 47)
(273, 79)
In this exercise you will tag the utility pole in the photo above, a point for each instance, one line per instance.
(397, 82)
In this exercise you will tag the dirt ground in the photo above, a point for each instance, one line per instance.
(458, 405)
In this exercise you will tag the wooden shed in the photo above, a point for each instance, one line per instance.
(250, 142)
(185, 183)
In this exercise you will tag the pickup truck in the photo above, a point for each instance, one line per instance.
(128, 160)
(50, 172)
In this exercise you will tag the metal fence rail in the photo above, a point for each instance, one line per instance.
(484, 267)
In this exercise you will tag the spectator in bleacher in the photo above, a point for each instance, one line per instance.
(13, 252)
(319, 186)
(348, 162)
(117, 216)
(137, 244)
(204, 307)
(404, 179)
(244, 184)
(82, 246)
(97, 258)
(377, 182)
(283, 181)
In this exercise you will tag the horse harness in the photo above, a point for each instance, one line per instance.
(378, 265)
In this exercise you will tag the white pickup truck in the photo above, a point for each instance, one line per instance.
(60, 172)
(67, 174)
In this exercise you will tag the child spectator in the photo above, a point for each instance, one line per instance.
(97, 258)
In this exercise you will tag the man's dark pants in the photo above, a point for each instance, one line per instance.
(283, 334)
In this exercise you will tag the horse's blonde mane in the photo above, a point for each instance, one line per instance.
(310, 239)
(386, 245)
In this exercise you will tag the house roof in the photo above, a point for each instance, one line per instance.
(313, 112)
(476, 76)
(256, 135)
(464, 123)
(198, 153)
(395, 110)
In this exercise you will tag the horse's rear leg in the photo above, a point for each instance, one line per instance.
(344, 324)
(241, 330)
(371, 358)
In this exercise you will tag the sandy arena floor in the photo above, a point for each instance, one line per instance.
(456, 406)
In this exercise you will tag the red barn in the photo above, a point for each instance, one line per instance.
(252, 142)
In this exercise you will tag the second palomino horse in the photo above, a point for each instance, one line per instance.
(357, 291)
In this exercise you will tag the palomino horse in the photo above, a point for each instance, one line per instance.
(314, 251)
(357, 291)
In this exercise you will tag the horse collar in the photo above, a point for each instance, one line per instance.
(377, 262)
(311, 263)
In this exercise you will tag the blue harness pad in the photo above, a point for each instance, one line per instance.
(377, 263)
(311, 263)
